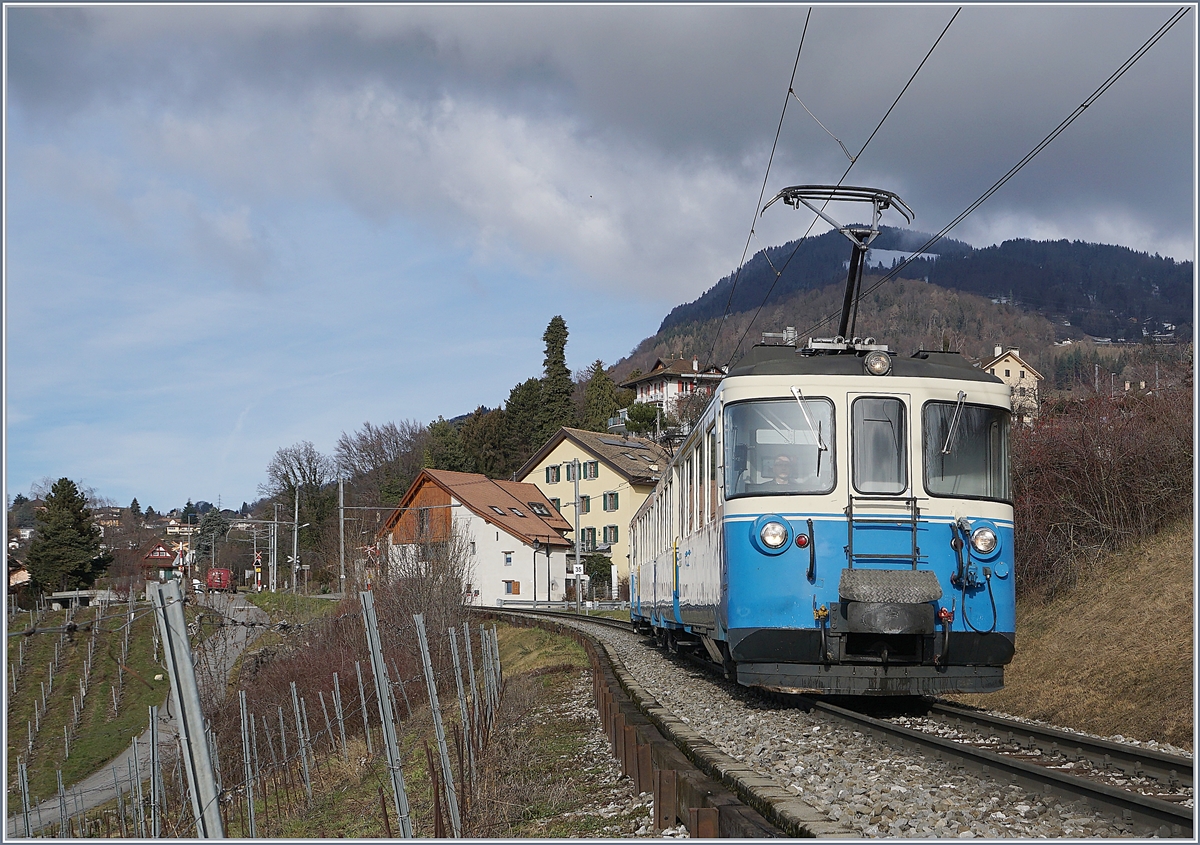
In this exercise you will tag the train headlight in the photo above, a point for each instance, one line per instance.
(878, 363)
(774, 535)
(984, 540)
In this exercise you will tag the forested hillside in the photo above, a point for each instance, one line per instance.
(905, 314)
(1101, 290)
(1104, 290)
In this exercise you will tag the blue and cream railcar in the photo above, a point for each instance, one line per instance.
(838, 521)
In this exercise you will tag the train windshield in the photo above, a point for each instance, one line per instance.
(774, 447)
(969, 457)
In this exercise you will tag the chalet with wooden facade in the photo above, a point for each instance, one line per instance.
(513, 535)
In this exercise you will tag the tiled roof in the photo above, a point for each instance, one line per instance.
(638, 460)
(483, 496)
(677, 367)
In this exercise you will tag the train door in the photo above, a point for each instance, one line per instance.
(881, 505)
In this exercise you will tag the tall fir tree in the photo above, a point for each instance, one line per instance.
(522, 421)
(599, 398)
(444, 449)
(213, 528)
(66, 553)
(134, 508)
(483, 436)
(557, 386)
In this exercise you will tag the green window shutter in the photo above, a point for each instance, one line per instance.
(614, 539)
(614, 501)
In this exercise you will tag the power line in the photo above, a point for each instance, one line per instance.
(849, 167)
(1028, 157)
(762, 192)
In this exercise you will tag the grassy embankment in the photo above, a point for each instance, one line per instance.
(537, 772)
(101, 734)
(1114, 655)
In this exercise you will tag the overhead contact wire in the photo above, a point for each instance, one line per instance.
(762, 192)
(1012, 171)
(849, 167)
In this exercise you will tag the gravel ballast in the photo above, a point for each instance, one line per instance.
(854, 780)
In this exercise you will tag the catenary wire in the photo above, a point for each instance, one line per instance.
(1012, 171)
(849, 167)
(762, 192)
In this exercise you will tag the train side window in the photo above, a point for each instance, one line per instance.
(879, 444)
(712, 471)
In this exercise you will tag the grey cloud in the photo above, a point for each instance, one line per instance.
(689, 84)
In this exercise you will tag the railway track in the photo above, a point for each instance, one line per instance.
(1147, 791)
(1169, 774)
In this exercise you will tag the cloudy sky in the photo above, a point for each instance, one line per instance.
(229, 229)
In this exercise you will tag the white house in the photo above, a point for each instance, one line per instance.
(1021, 378)
(513, 533)
(668, 382)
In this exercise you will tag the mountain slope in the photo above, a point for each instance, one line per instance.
(1099, 289)
(905, 314)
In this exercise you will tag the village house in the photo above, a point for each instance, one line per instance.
(1022, 380)
(161, 564)
(512, 533)
(671, 381)
(616, 474)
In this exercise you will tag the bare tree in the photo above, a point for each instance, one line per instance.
(301, 469)
(381, 461)
(430, 576)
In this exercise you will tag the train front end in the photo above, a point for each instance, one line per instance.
(867, 524)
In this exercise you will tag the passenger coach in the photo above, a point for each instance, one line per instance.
(838, 521)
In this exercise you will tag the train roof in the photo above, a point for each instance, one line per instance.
(764, 360)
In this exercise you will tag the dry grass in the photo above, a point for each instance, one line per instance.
(1114, 655)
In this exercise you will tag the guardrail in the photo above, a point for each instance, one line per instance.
(522, 604)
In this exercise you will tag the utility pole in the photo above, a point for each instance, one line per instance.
(578, 566)
(342, 536)
(296, 540)
(273, 562)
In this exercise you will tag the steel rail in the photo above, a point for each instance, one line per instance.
(1171, 770)
(1143, 813)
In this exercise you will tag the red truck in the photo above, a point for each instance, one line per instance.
(220, 579)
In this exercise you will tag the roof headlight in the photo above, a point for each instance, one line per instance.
(878, 363)
(774, 535)
(984, 540)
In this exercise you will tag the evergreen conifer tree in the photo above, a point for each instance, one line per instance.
(65, 553)
(522, 421)
(444, 449)
(134, 508)
(213, 528)
(557, 386)
(600, 398)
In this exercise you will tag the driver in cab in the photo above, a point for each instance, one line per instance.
(782, 476)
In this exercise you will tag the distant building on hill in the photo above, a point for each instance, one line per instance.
(670, 381)
(1022, 380)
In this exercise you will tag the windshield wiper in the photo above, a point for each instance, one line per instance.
(814, 430)
(962, 397)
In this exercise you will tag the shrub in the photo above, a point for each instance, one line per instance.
(1093, 475)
